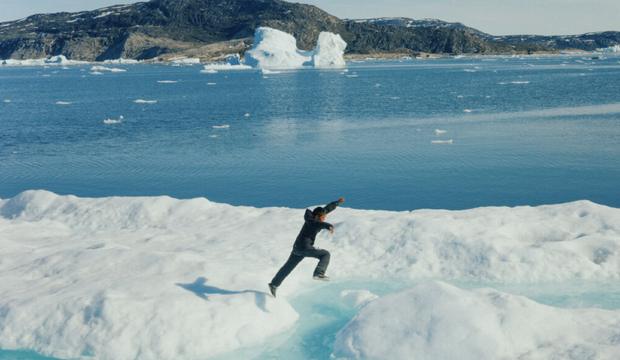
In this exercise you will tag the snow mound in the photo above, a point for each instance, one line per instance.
(276, 49)
(162, 278)
(439, 321)
(153, 294)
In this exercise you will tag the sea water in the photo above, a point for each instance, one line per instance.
(524, 131)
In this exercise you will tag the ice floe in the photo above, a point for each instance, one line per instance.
(167, 81)
(112, 121)
(439, 321)
(441, 141)
(439, 132)
(162, 278)
(63, 103)
(54, 60)
(221, 126)
(103, 68)
(140, 101)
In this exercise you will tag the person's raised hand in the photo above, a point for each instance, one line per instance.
(340, 201)
(331, 228)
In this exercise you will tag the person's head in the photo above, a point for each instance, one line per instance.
(319, 213)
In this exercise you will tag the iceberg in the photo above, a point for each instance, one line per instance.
(611, 49)
(54, 60)
(274, 49)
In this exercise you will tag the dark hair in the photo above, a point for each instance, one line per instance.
(318, 211)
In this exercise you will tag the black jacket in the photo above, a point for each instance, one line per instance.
(312, 226)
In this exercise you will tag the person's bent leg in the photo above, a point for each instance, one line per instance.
(286, 269)
(323, 256)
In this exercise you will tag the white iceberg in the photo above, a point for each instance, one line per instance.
(274, 49)
(54, 60)
(611, 49)
(439, 321)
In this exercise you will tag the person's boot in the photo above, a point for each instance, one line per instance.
(273, 289)
(321, 277)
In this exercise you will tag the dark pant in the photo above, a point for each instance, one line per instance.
(296, 257)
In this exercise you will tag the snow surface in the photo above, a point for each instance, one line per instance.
(162, 278)
(274, 49)
(438, 321)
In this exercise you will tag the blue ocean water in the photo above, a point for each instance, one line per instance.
(524, 131)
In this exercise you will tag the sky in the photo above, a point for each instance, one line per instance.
(495, 17)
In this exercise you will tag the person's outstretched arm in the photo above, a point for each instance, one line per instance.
(332, 205)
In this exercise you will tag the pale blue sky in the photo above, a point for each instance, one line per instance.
(496, 17)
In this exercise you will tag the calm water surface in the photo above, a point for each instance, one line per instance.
(524, 131)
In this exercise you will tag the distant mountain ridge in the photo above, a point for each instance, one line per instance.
(210, 28)
(408, 22)
(586, 42)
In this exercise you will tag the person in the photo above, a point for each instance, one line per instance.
(304, 245)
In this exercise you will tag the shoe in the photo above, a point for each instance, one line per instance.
(273, 289)
(321, 277)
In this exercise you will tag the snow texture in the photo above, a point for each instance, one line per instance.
(274, 49)
(161, 278)
(437, 321)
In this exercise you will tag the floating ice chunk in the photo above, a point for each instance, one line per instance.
(212, 136)
(439, 321)
(63, 103)
(221, 126)
(96, 73)
(356, 299)
(460, 96)
(377, 85)
(466, 111)
(111, 121)
(519, 82)
(211, 83)
(220, 67)
(248, 114)
(439, 132)
(7, 101)
(442, 142)
(140, 101)
(351, 76)
(469, 70)
(268, 72)
(209, 71)
(503, 83)
(167, 81)
(103, 68)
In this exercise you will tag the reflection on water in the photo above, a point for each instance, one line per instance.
(524, 132)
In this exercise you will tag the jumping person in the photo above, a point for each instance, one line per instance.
(304, 245)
